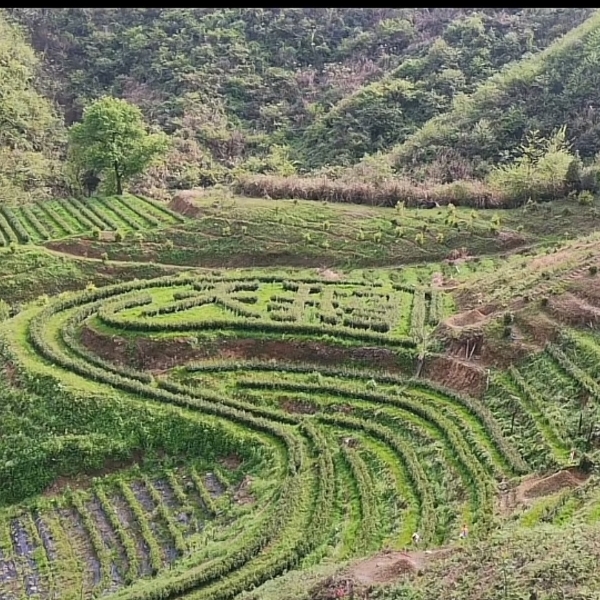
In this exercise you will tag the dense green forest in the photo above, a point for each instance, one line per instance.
(438, 94)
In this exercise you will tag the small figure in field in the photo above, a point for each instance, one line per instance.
(573, 455)
(464, 534)
(416, 537)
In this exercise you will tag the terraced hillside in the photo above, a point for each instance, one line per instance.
(56, 219)
(300, 429)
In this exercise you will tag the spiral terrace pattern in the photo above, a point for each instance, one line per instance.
(360, 460)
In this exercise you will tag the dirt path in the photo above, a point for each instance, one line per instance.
(125, 263)
(534, 487)
(358, 579)
(388, 566)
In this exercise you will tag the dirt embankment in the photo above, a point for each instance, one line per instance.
(183, 203)
(461, 376)
(361, 577)
(572, 310)
(160, 354)
(515, 498)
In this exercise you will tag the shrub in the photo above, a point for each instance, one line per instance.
(593, 270)
(585, 198)
(397, 193)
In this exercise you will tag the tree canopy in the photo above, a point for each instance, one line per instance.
(112, 142)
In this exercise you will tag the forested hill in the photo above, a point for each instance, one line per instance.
(288, 91)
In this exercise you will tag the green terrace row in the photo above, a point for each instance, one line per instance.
(439, 467)
(84, 543)
(366, 459)
(56, 219)
(395, 315)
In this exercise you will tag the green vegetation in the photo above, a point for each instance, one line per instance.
(323, 423)
(450, 92)
(381, 320)
(111, 143)
(31, 132)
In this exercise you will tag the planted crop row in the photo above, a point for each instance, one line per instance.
(38, 226)
(283, 558)
(14, 222)
(436, 447)
(162, 208)
(128, 220)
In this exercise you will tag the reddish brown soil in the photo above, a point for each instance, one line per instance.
(515, 498)
(77, 247)
(183, 203)
(572, 310)
(569, 478)
(456, 374)
(160, 354)
(359, 579)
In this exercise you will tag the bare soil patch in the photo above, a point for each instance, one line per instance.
(231, 462)
(572, 310)
(457, 254)
(329, 275)
(538, 327)
(510, 240)
(183, 202)
(11, 374)
(78, 247)
(84, 480)
(587, 287)
(292, 405)
(159, 354)
(516, 497)
(243, 495)
(387, 567)
(439, 282)
(456, 374)
(469, 318)
(538, 487)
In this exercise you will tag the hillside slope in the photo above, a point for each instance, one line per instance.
(30, 129)
(554, 88)
(469, 49)
(285, 90)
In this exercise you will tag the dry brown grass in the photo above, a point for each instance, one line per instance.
(470, 193)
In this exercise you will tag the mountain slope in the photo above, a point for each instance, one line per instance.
(270, 90)
(470, 49)
(558, 86)
(29, 127)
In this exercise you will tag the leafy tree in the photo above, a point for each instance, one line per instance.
(540, 172)
(112, 141)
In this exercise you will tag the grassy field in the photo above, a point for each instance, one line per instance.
(245, 232)
(169, 432)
